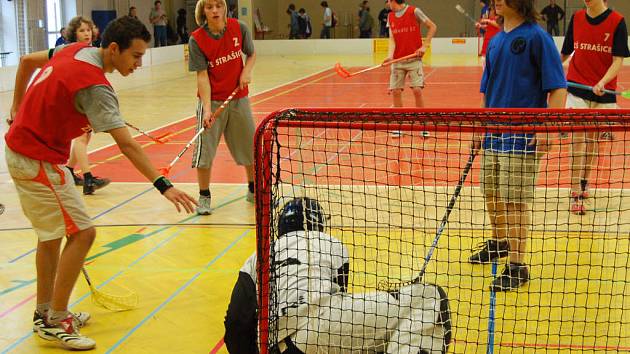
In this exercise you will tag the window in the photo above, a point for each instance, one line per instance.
(53, 21)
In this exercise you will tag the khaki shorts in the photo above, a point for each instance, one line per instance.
(236, 124)
(48, 197)
(400, 70)
(512, 177)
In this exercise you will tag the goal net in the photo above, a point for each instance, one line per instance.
(549, 186)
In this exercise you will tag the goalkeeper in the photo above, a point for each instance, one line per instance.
(315, 314)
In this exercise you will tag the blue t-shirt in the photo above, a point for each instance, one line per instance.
(522, 66)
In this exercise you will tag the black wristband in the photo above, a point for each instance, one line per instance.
(162, 184)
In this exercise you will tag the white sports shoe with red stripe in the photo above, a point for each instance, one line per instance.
(67, 333)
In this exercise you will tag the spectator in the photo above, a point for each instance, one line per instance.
(362, 7)
(62, 39)
(157, 17)
(328, 19)
(96, 37)
(304, 22)
(552, 14)
(133, 12)
(294, 26)
(182, 30)
(382, 19)
(366, 22)
(233, 11)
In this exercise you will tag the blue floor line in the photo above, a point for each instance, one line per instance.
(491, 312)
(227, 202)
(177, 292)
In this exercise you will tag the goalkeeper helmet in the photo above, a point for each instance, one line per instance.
(301, 214)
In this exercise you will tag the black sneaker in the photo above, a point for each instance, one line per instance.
(78, 181)
(94, 183)
(513, 277)
(490, 250)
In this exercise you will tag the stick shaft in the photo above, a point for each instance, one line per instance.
(449, 209)
(142, 132)
(87, 277)
(407, 57)
(214, 116)
(463, 12)
(586, 87)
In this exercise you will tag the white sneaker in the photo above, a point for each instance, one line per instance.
(204, 205)
(80, 317)
(251, 197)
(66, 333)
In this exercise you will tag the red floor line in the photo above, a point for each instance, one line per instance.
(18, 305)
(547, 345)
(217, 346)
(562, 346)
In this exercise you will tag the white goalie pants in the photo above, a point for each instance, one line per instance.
(373, 322)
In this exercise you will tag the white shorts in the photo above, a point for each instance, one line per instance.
(48, 197)
(580, 103)
(375, 322)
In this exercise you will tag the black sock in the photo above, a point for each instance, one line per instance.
(88, 176)
(71, 169)
(204, 192)
(250, 185)
(583, 184)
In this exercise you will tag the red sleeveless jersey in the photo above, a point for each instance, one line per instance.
(225, 62)
(47, 120)
(593, 49)
(491, 31)
(406, 32)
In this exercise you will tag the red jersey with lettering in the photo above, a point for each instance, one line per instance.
(406, 32)
(225, 62)
(491, 31)
(47, 119)
(593, 49)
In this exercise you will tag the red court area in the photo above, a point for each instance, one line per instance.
(446, 87)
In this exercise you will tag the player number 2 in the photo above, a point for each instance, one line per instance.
(235, 41)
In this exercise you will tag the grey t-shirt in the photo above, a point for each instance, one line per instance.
(99, 102)
(157, 14)
(197, 61)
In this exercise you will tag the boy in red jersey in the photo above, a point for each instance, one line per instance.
(598, 39)
(80, 29)
(69, 96)
(405, 22)
(491, 27)
(216, 49)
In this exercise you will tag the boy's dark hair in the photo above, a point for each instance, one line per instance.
(324, 4)
(156, 2)
(524, 8)
(301, 10)
(123, 31)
